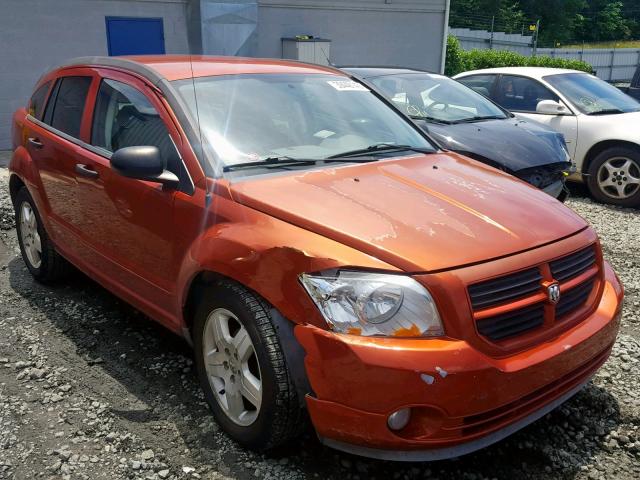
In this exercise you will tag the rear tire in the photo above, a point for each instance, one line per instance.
(43, 261)
(614, 177)
(229, 367)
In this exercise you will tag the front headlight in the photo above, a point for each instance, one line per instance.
(371, 304)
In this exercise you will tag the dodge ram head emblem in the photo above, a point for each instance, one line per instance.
(553, 293)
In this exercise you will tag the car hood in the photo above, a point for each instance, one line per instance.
(512, 143)
(421, 213)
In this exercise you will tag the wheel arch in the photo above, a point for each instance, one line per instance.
(600, 147)
(15, 184)
(293, 351)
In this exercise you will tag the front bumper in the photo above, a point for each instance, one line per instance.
(461, 399)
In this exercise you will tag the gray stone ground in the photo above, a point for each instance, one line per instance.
(91, 389)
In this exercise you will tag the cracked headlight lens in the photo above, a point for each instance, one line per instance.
(373, 304)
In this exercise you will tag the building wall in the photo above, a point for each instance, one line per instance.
(36, 34)
(363, 32)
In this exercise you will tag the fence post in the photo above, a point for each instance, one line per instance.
(493, 22)
(613, 62)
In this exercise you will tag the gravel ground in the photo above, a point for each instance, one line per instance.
(90, 388)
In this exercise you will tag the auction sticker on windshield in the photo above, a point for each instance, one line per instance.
(347, 85)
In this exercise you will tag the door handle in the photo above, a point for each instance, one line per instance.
(86, 171)
(35, 142)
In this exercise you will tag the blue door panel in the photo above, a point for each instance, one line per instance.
(135, 36)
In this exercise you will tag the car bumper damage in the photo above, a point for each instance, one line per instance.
(459, 399)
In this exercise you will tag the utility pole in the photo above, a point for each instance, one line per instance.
(535, 41)
(493, 23)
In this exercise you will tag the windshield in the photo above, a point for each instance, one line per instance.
(434, 97)
(591, 95)
(254, 117)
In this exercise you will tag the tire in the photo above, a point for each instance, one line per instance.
(279, 417)
(47, 266)
(614, 176)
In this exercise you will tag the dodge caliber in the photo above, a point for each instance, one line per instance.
(324, 258)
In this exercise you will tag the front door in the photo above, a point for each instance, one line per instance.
(130, 222)
(521, 95)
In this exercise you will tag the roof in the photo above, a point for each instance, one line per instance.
(177, 67)
(533, 72)
(370, 72)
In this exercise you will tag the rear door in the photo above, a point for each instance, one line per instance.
(53, 143)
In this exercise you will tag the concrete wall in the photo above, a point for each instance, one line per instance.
(363, 32)
(35, 34)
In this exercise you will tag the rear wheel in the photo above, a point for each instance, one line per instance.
(242, 368)
(614, 177)
(38, 253)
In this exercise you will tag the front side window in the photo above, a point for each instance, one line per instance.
(124, 117)
(522, 94)
(435, 97)
(66, 113)
(253, 117)
(591, 95)
(36, 104)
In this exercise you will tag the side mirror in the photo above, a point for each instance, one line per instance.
(143, 163)
(550, 107)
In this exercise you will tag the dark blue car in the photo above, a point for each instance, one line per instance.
(464, 121)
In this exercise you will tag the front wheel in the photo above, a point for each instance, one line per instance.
(242, 368)
(614, 177)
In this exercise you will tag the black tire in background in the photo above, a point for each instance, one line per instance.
(280, 417)
(597, 171)
(52, 265)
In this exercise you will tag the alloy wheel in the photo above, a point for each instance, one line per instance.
(619, 177)
(232, 367)
(29, 235)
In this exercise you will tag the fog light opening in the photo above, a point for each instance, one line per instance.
(399, 419)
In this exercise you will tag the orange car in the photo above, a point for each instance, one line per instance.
(320, 252)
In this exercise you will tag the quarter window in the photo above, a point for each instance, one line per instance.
(66, 113)
(36, 104)
(124, 117)
(522, 94)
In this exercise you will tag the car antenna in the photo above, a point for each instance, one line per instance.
(208, 196)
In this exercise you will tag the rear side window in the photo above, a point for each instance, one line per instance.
(36, 104)
(124, 117)
(70, 97)
(482, 84)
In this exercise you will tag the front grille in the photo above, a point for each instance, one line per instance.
(515, 304)
(573, 265)
(510, 287)
(513, 323)
(574, 298)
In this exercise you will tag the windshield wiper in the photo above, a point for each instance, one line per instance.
(607, 111)
(288, 161)
(479, 118)
(427, 118)
(379, 147)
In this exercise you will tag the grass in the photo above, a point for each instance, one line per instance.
(612, 44)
